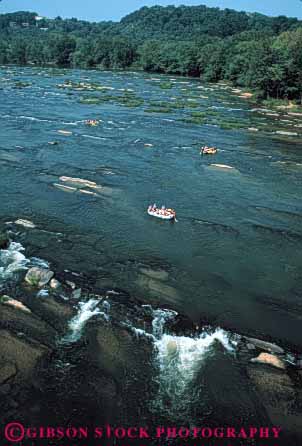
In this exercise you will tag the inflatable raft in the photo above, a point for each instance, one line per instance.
(208, 151)
(164, 214)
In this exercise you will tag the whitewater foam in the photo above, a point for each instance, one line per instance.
(12, 261)
(86, 311)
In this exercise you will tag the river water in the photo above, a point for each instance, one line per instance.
(233, 259)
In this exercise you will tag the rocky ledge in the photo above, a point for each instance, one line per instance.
(37, 362)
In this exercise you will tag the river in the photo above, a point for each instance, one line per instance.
(233, 258)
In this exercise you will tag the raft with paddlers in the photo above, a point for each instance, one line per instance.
(163, 213)
(208, 150)
(92, 122)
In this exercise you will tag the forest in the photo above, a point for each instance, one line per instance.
(250, 50)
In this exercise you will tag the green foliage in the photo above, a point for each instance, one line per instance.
(249, 50)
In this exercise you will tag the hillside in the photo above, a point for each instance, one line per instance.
(187, 22)
(249, 50)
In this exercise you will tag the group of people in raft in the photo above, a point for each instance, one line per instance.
(92, 122)
(162, 211)
(208, 150)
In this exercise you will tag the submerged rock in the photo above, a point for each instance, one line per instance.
(282, 132)
(222, 166)
(38, 277)
(65, 132)
(65, 188)
(268, 358)
(79, 182)
(267, 346)
(157, 289)
(155, 274)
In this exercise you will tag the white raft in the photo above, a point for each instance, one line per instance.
(159, 213)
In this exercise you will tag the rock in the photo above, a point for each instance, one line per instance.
(267, 346)
(172, 348)
(77, 293)
(294, 114)
(111, 348)
(276, 392)
(26, 223)
(4, 240)
(158, 290)
(16, 304)
(79, 182)
(53, 311)
(65, 132)
(222, 166)
(267, 358)
(72, 285)
(155, 274)
(225, 402)
(282, 132)
(55, 284)
(246, 95)
(26, 325)
(87, 192)
(65, 188)
(38, 276)
(6, 372)
(21, 353)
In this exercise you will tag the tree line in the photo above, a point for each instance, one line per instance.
(250, 50)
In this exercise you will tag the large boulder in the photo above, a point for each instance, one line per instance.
(269, 359)
(53, 311)
(15, 303)
(38, 277)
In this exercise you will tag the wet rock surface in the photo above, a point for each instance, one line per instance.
(38, 277)
(115, 338)
(280, 398)
(267, 358)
